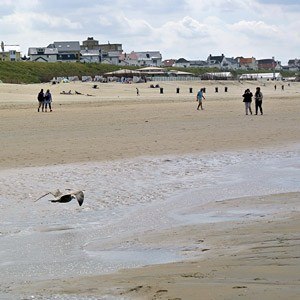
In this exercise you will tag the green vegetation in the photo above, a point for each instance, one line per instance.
(37, 72)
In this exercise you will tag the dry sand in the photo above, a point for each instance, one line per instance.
(247, 259)
(115, 123)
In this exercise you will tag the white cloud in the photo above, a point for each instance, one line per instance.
(178, 28)
(256, 29)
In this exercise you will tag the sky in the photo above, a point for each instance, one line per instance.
(191, 29)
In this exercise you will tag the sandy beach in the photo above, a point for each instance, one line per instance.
(208, 199)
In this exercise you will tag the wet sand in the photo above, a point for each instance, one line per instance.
(255, 256)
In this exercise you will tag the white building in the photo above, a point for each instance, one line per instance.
(90, 56)
(182, 63)
(261, 76)
(43, 54)
(145, 59)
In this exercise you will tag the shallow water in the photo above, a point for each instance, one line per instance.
(43, 240)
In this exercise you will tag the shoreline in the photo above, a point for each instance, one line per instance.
(134, 151)
(218, 239)
(224, 260)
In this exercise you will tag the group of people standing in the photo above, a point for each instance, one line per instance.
(258, 96)
(45, 100)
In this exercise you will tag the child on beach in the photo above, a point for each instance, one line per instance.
(199, 98)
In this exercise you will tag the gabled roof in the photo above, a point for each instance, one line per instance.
(266, 61)
(67, 46)
(47, 51)
(148, 55)
(129, 56)
(246, 60)
(181, 61)
(216, 59)
(231, 60)
(169, 62)
(40, 58)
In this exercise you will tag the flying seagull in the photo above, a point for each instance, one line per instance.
(64, 198)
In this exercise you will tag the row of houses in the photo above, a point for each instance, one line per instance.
(90, 51)
(228, 63)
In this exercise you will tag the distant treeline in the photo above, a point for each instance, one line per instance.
(37, 72)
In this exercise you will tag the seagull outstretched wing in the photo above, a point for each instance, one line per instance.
(56, 194)
(64, 198)
(79, 196)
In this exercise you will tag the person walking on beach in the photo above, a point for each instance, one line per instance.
(247, 100)
(137, 92)
(41, 98)
(199, 98)
(258, 101)
(48, 100)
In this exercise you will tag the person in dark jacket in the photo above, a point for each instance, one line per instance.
(48, 100)
(41, 99)
(258, 101)
(247, 100)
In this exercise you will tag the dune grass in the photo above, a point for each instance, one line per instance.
(37, 72)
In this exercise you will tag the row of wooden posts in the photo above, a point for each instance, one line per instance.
(191, 90)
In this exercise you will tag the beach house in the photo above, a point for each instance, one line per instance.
(67, 51)
(294, 64)
(64, 51)
(182, 63)
(269, 64)
(247, 63)
(143, 59)
(222, 62)
(90, 56)
(43, 54)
